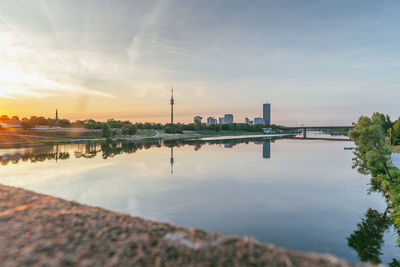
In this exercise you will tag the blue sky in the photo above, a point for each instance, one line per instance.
(315, 61)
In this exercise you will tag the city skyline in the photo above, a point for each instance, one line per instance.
(317, 62)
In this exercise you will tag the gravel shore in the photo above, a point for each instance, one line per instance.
(39, 230)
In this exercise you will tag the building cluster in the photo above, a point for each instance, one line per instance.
(12, 123)
(228, 118)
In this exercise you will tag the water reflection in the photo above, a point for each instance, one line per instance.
(171, 161)
(110, 150)
(299, 200)
(266, 149)
(367, 239)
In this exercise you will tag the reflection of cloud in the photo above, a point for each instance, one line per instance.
(30, 179)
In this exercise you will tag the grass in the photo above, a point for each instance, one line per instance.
(224, 133)
(395, 149)
(146, 132)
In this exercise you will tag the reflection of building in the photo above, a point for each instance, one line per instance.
(172, 160)
(267, 113)
(258, 121)
(266, 149)
(211, 121)
(228, 146)
(198, 118)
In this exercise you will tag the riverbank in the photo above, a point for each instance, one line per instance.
(20, 138)
(395, 149)
(41, 230)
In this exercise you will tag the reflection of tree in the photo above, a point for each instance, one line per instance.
(197, 147)
(110, 149)
(367, 240)
(394, 263)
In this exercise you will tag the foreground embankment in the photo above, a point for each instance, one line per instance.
(44, 231)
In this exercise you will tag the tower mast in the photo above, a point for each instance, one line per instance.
(172, 105)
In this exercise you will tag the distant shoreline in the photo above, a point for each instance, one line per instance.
(25, 139)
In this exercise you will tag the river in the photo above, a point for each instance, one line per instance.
(298, 194)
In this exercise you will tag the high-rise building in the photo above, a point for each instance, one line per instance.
(211, 121)
(56, 115)
(259, 121)
(228, 118)
(172, 105)
(267, 113)
(221, 120)
(197, 118)
(246, 120)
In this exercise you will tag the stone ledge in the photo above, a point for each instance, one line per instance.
(44, 231)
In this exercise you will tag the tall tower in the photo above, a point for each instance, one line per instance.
(267, 113)
(56, 115)
(172, 105)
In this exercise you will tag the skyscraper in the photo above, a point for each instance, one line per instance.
(267, 113)
(172, 105)
(228, 118)
(56, 115)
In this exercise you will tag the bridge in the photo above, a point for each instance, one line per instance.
(323, 139)
(304, 128)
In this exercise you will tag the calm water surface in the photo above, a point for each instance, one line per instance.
(299, 194)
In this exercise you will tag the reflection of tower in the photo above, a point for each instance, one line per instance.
(172, 160)
(56, 153)
(172, 105)
(267, 149)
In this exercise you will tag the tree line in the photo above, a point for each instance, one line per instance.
(35, 121)
(373, 136)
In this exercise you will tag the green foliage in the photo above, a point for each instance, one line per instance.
(131, 130)
(172, 130)
(385, 120)
(26, 125)
(198, 126)
(108, 133)
(92, 124)
(124, 131)
(372, 154)
(367, 240)
(396, 133)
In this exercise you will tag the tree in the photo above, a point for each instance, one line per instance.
(107, 132)
(386, 122)
(396, 133)
(124, 131)
(114, 124)
(372, 154)
(132, 129)
(4, 118)
(26, 125)
(197, 125)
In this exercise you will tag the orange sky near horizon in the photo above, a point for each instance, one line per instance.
(118, 59)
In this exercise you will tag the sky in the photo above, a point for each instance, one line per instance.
(316, 62)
